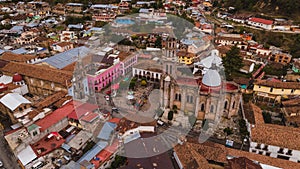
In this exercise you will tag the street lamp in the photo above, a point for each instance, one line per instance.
(245, 140)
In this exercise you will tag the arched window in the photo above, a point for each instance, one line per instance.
(202, 107)
(233, 105)
(225, 104)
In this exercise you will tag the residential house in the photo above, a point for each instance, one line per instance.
(281, 57)
(80, 140)
(231, 41)
(291, 111)
(261, 23)
(62, 46)
(275, 89)
(16, 107)
(74, 7)
(248, 66)
(89, 121)
(124, 6)
(103, 12)
(80, 110)
(59, 9)
(67, 36)
(185, 57)
(27, 37)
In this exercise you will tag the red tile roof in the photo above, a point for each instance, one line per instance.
(55, 116)
(114, 120)
(89, 117)
(260, 20)
(45, 145)
(80, 109)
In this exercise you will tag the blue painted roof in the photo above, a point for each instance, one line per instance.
(143, 10)
(1, 51)
(63, 59)
(18, 29)
(77, 26)
(106, 130)
(88, 156)
(132, 137)
(20, 51)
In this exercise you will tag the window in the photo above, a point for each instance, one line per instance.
(211, 109)
(280, 151)
(271, 89)
(233, 105)
(292, 91)
(225, 104)
(34, 133)
(202, 107)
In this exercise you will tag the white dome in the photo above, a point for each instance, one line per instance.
(211, 78)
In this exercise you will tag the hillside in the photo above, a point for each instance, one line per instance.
(277, 8)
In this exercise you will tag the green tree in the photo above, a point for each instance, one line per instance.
(158, 42)
(228, 131)
(118, 162)
(243, 128)
(267, 117)
(232, 62)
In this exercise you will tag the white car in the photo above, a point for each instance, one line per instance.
(1, 164)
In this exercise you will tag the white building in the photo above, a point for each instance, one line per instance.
(261, 23)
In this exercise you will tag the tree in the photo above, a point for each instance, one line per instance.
(243, 128)
(228, 131)
(267, 117)
(170, 115)
(232, 62)
(158, 42)
(144, 83)
(118, 162)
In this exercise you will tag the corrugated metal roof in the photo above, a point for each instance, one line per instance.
(5, 79)
(26, 155)
(106, 130)
(93, 152)
(13, 100)
(20, 51)
(66, 58)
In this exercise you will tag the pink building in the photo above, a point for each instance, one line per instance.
(103, 76)
(112, 66)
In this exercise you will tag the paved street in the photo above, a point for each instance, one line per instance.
(6, 156)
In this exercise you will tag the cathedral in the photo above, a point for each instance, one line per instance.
(201, 90)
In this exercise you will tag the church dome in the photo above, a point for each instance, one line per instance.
(17, 78)
(211, 78)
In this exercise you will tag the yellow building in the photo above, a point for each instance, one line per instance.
(185, 57)
(276, 89)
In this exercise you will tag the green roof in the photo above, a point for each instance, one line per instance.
(32, 127)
